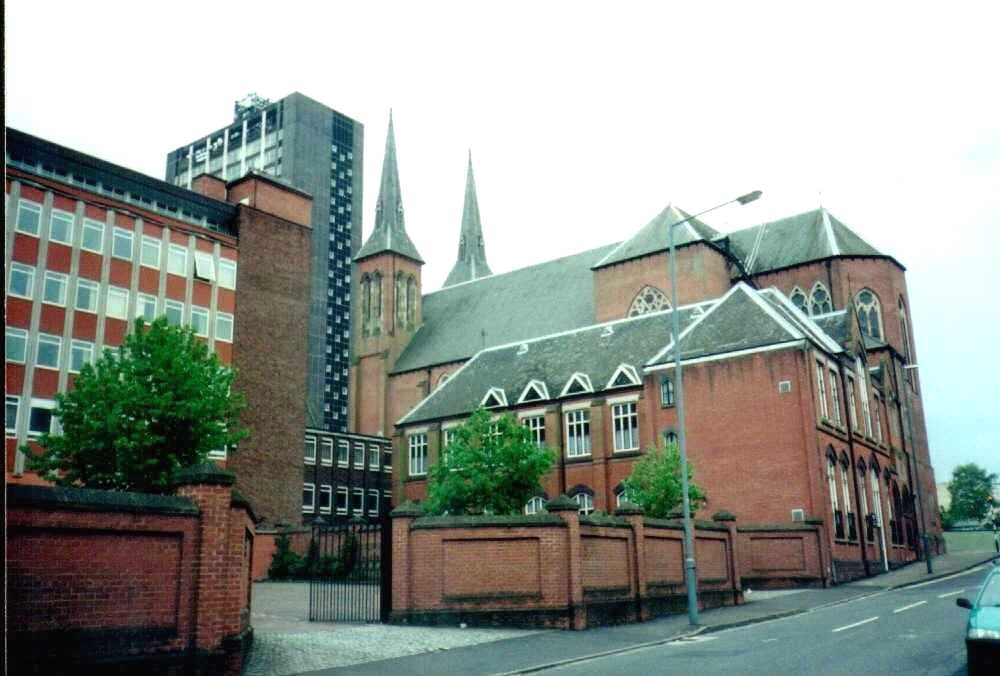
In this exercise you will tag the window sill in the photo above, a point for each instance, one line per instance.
(415, 477)
(629, 453)
(579, 458)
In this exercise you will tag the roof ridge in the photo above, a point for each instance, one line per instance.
(508, 272)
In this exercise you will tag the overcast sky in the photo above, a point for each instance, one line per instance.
(585, 120)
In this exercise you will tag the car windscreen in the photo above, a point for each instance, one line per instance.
(990, 595)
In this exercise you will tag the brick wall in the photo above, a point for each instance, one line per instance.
(780, 556)
(270, 357)
(102, 576)
(555, 569)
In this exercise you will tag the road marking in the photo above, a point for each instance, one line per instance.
(951, 593)
(770, 640)
(912, 605)
(856, 624)
(950, 577)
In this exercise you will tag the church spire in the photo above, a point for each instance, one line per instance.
(389, 234)
(471, 263)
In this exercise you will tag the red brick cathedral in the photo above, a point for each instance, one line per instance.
(796, 344)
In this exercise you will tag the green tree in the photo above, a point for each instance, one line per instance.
(489, 465)
(158, 403)
(971, 487)
(655, 482)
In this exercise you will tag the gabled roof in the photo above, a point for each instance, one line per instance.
(652, 238)
(543, 299)
(593, 350)
(471, 263)
(389, 234)
(745, 319)
(810, 236)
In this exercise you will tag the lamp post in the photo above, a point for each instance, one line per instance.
(690, 571)
(918, 492)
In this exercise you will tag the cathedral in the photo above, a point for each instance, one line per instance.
(802, 398)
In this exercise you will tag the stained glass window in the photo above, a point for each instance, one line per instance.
(649, 299)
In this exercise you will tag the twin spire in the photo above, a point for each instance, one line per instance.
(471, 263)
(389, 234)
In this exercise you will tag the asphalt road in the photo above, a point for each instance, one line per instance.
(917, 630)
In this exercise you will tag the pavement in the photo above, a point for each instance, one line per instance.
(537, 651)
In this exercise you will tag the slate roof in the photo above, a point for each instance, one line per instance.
(652, 238)
(535, 301)
(595, 350)
(742, 319)
(389, 234)
(810, 236)
(471, 263)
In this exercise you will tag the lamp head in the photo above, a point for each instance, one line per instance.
(749, 197)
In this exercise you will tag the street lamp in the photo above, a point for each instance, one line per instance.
(690, 572)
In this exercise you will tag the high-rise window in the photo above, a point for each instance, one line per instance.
(174, 312)
(121, 244)
(177, 260)
(47, 354)
(146, 307)
(224, 327)
(81, 352)
(16, 346)
(309, 451)
(578, 433)
(40, 417)
(61, 227)
(13, 405)
(93, 236)
(227, 273)
(343, 453)
(625, 421)
(326, 453)
(22, 280)
(199, 320)
(86, 295)
(54, 289)
(308, 498)
(117, 303)
(29, 215)
(150, 255)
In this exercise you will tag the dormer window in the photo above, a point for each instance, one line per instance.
(534, 391)
(624, 376)
(495, 398)
(579, 383)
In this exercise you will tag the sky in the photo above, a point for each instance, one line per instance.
(585, 119)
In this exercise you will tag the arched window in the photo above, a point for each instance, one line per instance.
(798, 298)
(400, 300)
(622, 495)
(666, 392)
(819, 300)
(869, 313)
(863, 497)
(376, 296)
(535, 505)
(411, 300)
(366, 299)
(845, 485)
(831, 483)
(904, 332)
(649, 299)
(876, 495)
(670, 438)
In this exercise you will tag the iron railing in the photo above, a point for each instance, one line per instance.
(350, 571)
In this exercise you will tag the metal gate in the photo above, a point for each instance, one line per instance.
(351, 571)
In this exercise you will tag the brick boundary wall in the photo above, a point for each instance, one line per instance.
(129, 581)
(563, 570)
(780, 556)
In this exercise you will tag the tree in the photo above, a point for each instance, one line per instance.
(655, 483)
(971, 488)
(489, 465)
(158, 403)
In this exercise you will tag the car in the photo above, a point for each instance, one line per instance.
(982, 631)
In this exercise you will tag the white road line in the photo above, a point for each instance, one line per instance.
(912, 605)
(856, 624)
(951, 593)
(950, 577)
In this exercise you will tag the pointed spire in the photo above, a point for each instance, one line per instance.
(471, 263)
(389, 233)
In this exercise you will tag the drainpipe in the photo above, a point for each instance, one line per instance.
(829, 280)
(862, 532)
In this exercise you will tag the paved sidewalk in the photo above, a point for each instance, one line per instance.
(545, 648)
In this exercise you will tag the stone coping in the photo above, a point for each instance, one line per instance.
(763, 527)
(206, 473)
(675, 524)
(489, 521)
(91, 500)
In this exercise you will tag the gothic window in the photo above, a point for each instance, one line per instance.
(649, 299)
(819, 301)
(376, 296)
(869, 313)
(400, 300)
(366, 299)
(799, 299)
(411, 300)
(904, 332)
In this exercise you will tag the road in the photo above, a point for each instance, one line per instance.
(916, 630)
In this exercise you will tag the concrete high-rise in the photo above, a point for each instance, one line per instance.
(320, 151)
